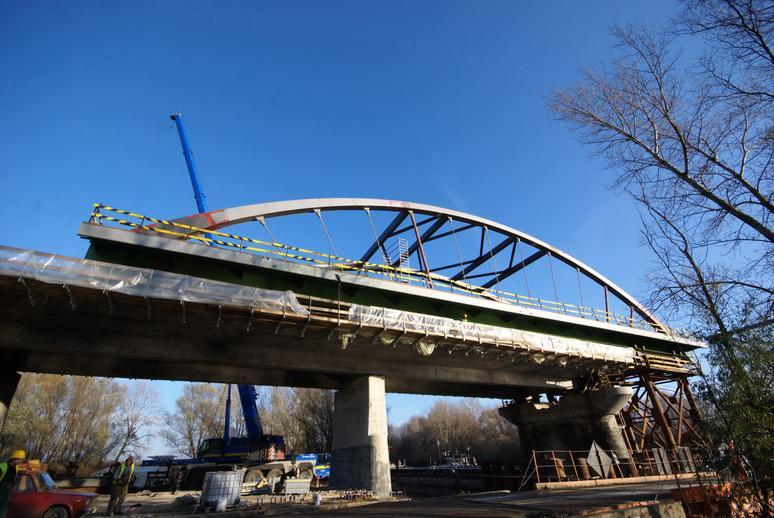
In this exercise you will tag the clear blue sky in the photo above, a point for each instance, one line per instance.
(436, 102)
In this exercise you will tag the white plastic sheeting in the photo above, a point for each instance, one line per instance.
(141, 282)
(434, 326)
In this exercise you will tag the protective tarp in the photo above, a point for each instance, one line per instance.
(141, 282)
(430, 325)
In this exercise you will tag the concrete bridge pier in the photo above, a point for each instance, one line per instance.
(359, 455)
(573, 423)
(9, 380)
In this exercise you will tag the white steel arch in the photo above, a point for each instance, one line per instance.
(222, 218)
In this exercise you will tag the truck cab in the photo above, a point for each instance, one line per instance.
(320, 463)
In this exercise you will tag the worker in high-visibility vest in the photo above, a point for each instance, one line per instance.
(122, 477)
(8, 478)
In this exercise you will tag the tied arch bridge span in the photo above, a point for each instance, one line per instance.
(429, 301)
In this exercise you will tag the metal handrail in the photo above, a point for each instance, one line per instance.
(580, 465)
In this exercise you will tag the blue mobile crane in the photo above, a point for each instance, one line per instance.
(247, 394)
(263, 455)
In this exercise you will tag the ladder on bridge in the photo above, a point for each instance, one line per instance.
(399, 250)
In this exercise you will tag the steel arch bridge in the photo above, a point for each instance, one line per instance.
(495, 253)
(451, 264)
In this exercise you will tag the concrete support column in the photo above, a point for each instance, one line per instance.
(573, 423)
(359, 455)
(9, 379)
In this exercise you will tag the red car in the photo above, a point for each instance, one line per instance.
(36, 496)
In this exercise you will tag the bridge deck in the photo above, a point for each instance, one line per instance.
(47, 325)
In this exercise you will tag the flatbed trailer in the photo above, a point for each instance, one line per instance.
(188, 474)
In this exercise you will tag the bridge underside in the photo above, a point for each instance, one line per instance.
(47, 328)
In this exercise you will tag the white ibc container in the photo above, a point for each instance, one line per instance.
(222, 486)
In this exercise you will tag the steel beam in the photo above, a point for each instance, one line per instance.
(503, 274)
(658, 411)
(451, 232)
(448, 266)
(484, 257)
(432, 229)
(386, 233)
(422, 256)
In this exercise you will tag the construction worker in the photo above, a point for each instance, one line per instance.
(8, 478)
(122, 477)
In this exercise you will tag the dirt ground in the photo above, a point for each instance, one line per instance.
(157, 503)
(148, 503)
(555, 503)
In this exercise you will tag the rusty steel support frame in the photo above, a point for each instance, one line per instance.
(662, 413)
(658, 412)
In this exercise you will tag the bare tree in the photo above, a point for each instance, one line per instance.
(412, 442)
(454, 426)
(695, 144)
(464, 426)
(741, 32)
(692, 141)
(278, 415)
(304, 417)
(63, 419)
(132, 423)
(314, 411)
(498, 438)
(198, 416)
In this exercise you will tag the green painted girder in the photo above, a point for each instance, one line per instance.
(267, 278)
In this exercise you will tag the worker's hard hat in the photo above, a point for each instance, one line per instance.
(19, 454)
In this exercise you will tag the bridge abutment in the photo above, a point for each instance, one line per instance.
(359, 455)
(573, 423)
(9, 380)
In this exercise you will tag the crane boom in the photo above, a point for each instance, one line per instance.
(247, 396)
(201, 199)
(247, 393)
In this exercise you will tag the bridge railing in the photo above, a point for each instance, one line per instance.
(596, 464)
(104, 214)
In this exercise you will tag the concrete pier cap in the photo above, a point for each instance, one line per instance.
(573, 423)
(359, 454)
